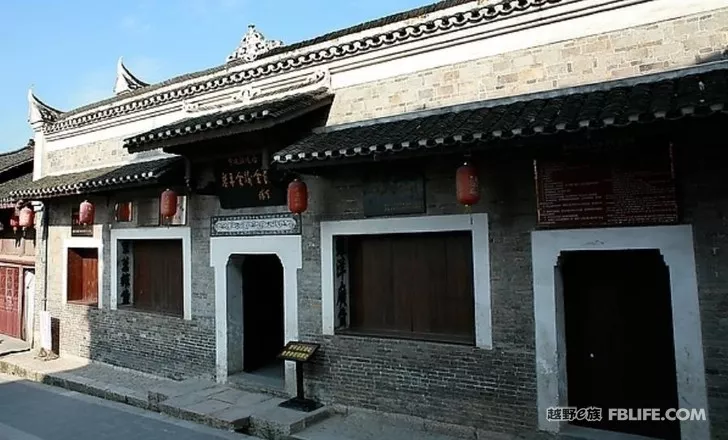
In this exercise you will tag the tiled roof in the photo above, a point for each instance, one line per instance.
(12, 159)
(244, 119)
(14, 184)
(98, 180)
(299, 58)
(651, 98)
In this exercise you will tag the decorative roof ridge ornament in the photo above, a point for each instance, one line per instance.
(252, 45)
(39, 111)
(125, 80)
(246, 94)
(322, 76)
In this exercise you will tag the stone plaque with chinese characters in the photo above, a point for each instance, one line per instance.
(298, 351)
(243, 181)
(261, 224)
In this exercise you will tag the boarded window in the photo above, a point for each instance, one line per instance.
(413, 285)
(83, 275)
(157, 279)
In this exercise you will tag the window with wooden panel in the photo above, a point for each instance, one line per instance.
(83, 276)
(156, 276)
(412, 285)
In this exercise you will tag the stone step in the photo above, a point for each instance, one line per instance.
(224, 407)
(247, 383)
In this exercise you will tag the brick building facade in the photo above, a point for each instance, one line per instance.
(366, 93)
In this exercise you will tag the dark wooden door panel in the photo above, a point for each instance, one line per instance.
(158, 272)
(371, 273)
(419, 285)
(619, 336)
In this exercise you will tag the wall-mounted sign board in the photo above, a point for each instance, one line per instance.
(260, 224)
(244, 181)
(394, 195)
(633, 187)
(77, 229)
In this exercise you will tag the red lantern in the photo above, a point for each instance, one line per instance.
(27, 217)
(14, 223)
(86, 213)
(297, 197)
(168, 204)
(468, 187)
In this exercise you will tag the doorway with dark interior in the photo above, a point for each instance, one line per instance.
(263, 319)
(619, 337)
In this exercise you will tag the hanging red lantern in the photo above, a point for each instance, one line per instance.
(168, 203)
(297, 197)
(468, 186)
(27, 217)
(86, 213)
(14, 223)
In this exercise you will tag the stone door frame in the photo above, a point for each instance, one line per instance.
(675, 244)
(288, 250)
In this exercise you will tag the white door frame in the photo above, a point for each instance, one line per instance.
(675, 243)
(288, 250)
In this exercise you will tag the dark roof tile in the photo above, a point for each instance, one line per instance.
(667, 95)
(98, 180)
(248, 119)
(14, 158)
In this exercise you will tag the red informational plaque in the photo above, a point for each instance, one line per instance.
(634, 187)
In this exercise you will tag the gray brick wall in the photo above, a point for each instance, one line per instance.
(705, 195)
(157, 344)
(492, 389)
(495, 389)
(163, 345)
(661, 46)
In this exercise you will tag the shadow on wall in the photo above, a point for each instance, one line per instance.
(712, 58)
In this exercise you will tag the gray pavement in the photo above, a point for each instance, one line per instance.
(31, 411)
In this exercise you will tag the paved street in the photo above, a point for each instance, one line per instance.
(30, 411)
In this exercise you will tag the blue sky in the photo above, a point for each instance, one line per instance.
(67, 50)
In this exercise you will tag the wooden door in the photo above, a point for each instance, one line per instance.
(619, 337)
(11, 302)
(83, 276)
(413, 286)
(158, 272)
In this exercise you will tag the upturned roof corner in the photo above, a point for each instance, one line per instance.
(125, 80)
(40, 112)
(252, 45)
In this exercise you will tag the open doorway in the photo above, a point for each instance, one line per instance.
(262, 314)
(256, 322)
(619, 337)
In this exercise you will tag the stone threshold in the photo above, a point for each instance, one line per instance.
(197, 400)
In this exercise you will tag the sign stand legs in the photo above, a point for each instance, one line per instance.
(300, 402)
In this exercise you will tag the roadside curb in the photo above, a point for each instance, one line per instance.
(76, 383)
